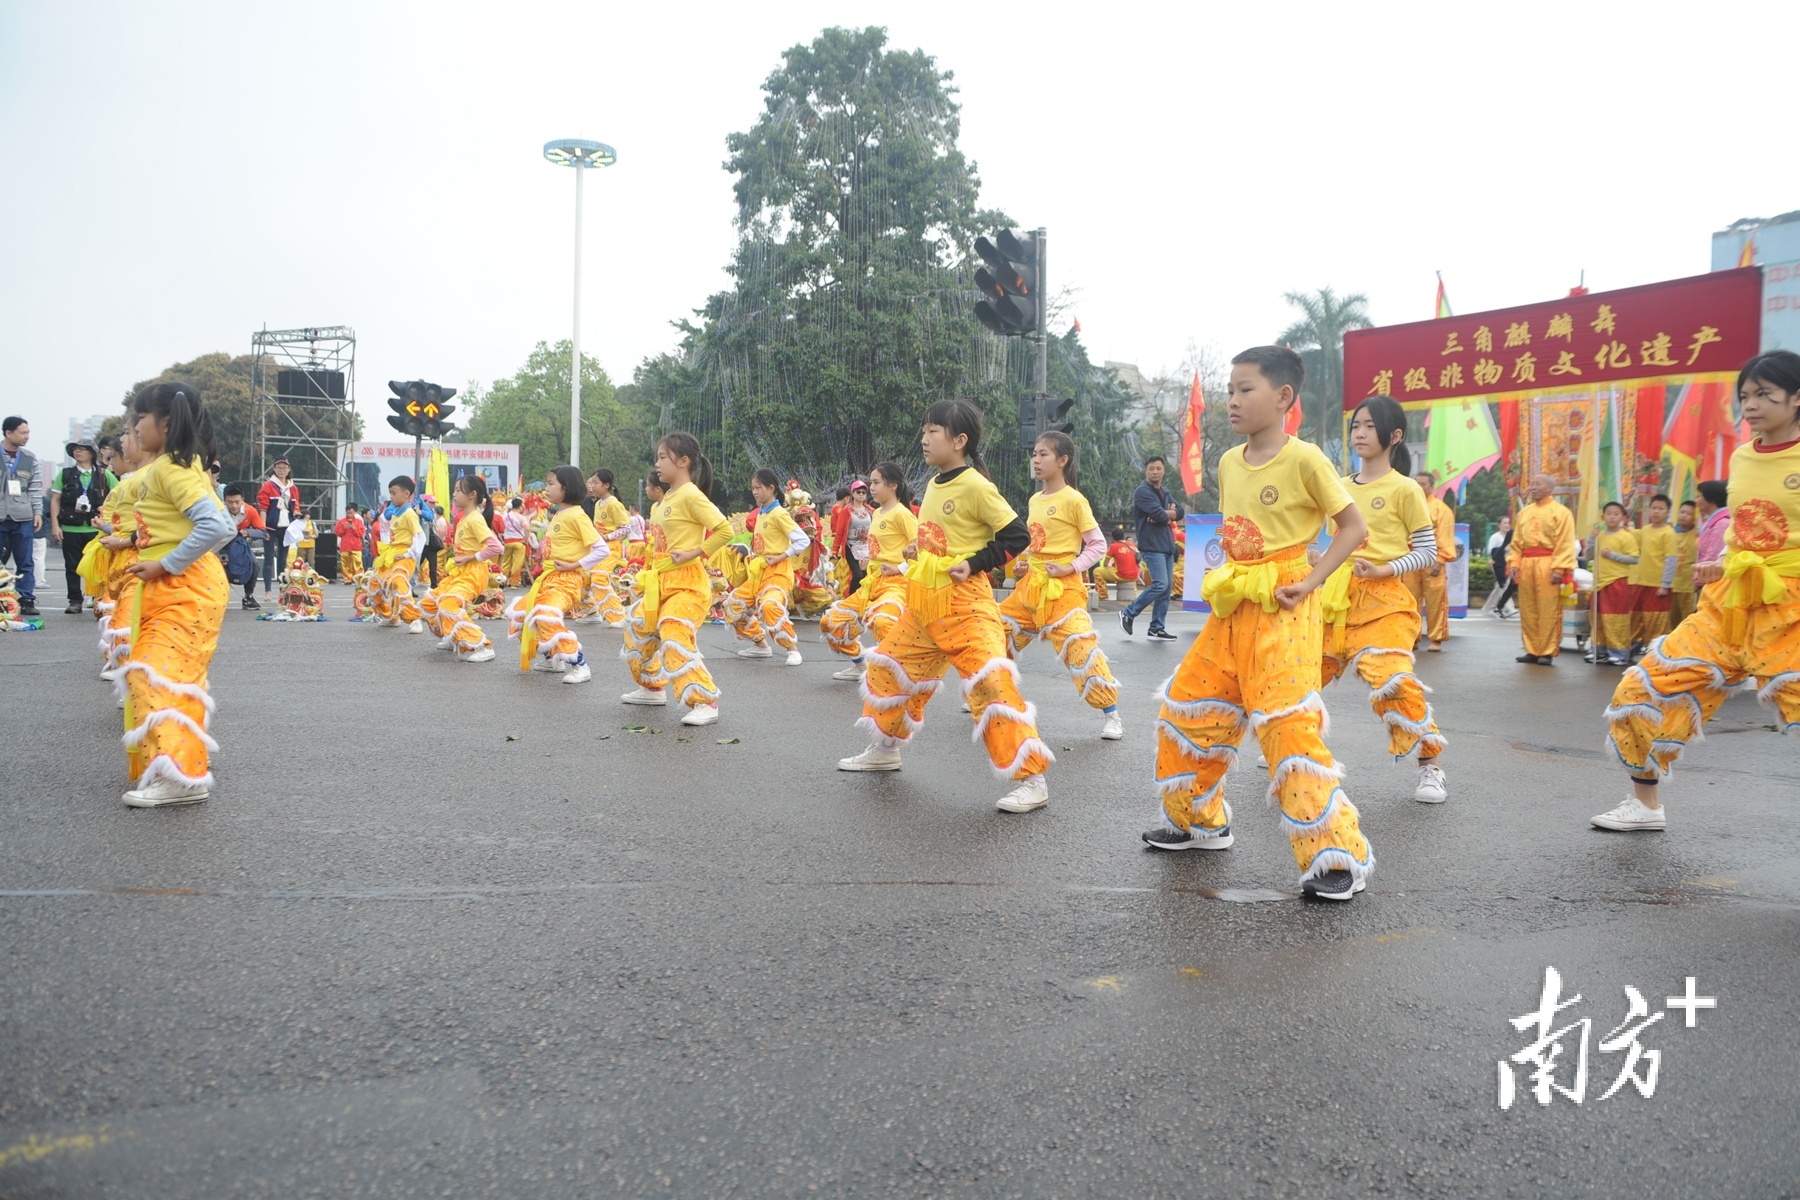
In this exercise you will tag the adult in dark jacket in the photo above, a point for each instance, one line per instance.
(1155, 512)
(279, 502)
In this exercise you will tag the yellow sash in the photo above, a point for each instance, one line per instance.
(137, 620)
(1225, 587)
(96, 562)
(1041, 590)
(1754, 579)
(928, 586)
(1334, 606)
(528, 635)
(649, 582)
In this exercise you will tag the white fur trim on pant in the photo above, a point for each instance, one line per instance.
(1183, 782)
(1192, 750)
(1005, 712)
(1396, 719)
(1299, 764)
(1332, 858)
(1411, 658)
(1654, 651)
(1312, 703)
(1767, 693)
(133, 737)
(1338, 802)
(995, 666)
(1026, 748)
(876, 658)
(880, 737)
(158, 680)
(1194, 710)
(1664, 701)
(163, 767)
(1395, 685)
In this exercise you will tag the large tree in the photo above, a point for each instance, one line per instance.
(224, 386)
(1318, 337)
(852, 295)
(531, 408)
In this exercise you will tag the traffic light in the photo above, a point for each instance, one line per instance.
(408, 405)
(1054, 415)
(435, 412)
(1028, 433)
(1010, 305)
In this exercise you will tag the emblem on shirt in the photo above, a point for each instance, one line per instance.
(1792, 482)
(1271, 494)
(949, 507)
(1051, 511)
(1378, 502)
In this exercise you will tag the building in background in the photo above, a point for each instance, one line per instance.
(1773, 245)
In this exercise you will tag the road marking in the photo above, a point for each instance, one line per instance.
(34, 1148)
(1107, 983)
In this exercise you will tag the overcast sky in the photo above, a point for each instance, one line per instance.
(178, 175)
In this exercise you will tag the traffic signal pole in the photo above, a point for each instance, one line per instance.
(1040, 239)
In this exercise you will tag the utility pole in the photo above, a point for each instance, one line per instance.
(1040, 242)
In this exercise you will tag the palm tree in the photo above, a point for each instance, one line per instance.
(1318, 337)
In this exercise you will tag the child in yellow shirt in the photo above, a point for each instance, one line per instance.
(572, 548)
(878, 603)
(758, 607)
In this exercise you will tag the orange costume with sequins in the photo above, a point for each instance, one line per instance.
(1255, 667)
(662, 629)
(1055, 607)
(878, 603)
(954, 624)
(1747, 626)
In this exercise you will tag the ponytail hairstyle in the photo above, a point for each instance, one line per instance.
(477, 487)
(685, 445)
(572, 482)
(1389, 417)
(768, 479)
(891, 473)
(961, 418)
(190, 438)
(1062, 446)
(605, 476)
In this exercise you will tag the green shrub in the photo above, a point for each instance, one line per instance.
(1481, 577)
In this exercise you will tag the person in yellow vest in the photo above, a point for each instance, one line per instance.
(1615, 596)
(1050, 599)
(1371, 618)
(662, 630)
(1653, 577)
(758, 607)
(1431, 585)
(399, 559)
(1747, 626)
(966, 530)
(572, 548)
(878, 603)
(178, 598)
(473, 548)
(1255, 667)
(1681, 591)
(1542, 559)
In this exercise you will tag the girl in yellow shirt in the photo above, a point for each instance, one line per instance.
(1370, 614)
(966, 530)
(177, 599)
(675, 593)
(118, 554)
(472, 548)
(758, 607)
(1050, 599)
(878, 603)
(571, 547)
(1748, 623)
(610, 518)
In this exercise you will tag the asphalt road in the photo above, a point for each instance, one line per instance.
(453, 930)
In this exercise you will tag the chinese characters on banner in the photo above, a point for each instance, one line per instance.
(1558, 1057)
(1706, 324)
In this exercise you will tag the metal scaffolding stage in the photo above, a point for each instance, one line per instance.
(304, 382)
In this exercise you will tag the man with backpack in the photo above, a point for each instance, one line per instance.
(239, 558)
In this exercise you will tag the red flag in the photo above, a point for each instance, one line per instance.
(1193, 459)
(1509, 441)
(1291, 422)
(1650, 399)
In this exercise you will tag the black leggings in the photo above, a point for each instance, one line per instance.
(272, 564)
(72, 546)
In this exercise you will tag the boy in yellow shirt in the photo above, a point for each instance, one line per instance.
(1256, 665)
(1653, 576)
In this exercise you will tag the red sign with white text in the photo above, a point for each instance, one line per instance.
(1709, 323)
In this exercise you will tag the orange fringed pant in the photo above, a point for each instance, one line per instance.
(446, 609)
(758, 607)
(874, 608)
(1030, 613)
(662, 642)
(1661, 703)
(545, 609)
(909, 664)
(1251, 670)
(1540, 605)
(1376, 641)
(393, 596)
(604, 601)
(167, 707)
(115, 609)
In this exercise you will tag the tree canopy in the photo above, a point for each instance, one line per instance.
(532, 408)
(1318, 337)
(224, 386)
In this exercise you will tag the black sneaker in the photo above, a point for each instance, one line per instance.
(1169, 838)
(74, 608)
(1125, 622)
(1332, 885)
(28, 610)
(1532, 660)
(250, 602)
(1161, 635)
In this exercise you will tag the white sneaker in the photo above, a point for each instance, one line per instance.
(756, 651)
(1032, 792)
(651, 696)
(579, 673)
(109, 674)
(1433, 788)
(1114, 729)
(484, 654)
(966, 708)
(1630, 816)
(702, 714)
(849, 674)
(416, 627)
(875, 758)
(793, 658)
(446, 643)
(555, 666)
(163, 792)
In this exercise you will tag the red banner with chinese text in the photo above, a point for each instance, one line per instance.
(1705, 324)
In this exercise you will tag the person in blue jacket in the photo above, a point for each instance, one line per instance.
(1156, 512)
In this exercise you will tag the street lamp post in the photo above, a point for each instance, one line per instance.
(583, 155)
